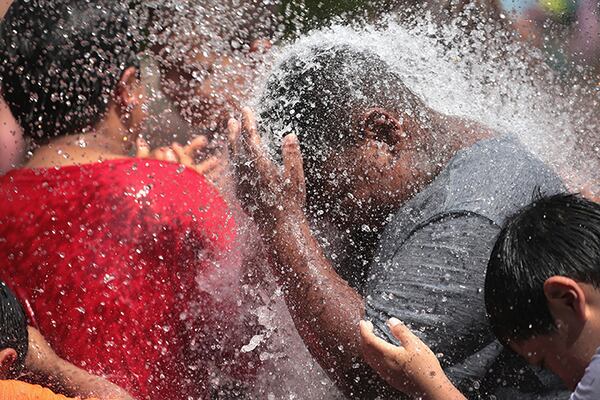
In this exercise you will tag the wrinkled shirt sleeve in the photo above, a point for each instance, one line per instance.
(434, 282)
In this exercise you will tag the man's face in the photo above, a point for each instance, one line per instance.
(372, 176)
(384, 167)
(552, 352)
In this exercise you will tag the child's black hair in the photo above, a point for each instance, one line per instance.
(13, 326)
(558, 235)
(61, 60)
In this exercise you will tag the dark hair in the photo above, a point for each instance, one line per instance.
(61, 60)
(558, 235)
(13, 326)
(316, 91)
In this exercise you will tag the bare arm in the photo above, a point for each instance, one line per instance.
(42, 361)
(325, 309)
(4, 5)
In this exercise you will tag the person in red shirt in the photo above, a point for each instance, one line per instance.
(126, 265)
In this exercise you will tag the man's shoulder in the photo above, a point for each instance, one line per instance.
(490, 180)
(499, 161)
(495, 178)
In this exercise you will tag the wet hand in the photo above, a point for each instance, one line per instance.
(184, 155)
(266, 191)
(412, 368)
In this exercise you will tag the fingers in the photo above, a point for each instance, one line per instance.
(142, 148)
(366, 329)
(164, 154)
(197, 144)
(170, 155)
(178, 153)
(250, 138)
(208, 165)
(293, 168)
(186, 153)
(247, 134)
(181, 153)
(371, 342)
(233, 137)
(252, 144)
(401, 332)
(186, 156)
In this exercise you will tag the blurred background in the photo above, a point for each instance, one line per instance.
(567, 31)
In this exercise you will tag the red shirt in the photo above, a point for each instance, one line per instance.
(120, 262)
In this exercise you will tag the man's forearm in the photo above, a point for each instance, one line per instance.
(325, 309)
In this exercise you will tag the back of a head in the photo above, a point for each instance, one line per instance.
(13, 326)
(554, 236)
(317, 92)
(60, 61)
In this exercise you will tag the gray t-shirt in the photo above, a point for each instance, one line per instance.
(589, 386)
(429, 270)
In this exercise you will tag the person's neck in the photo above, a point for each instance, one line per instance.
(100, 140)
(440, 138)
(107, 140)
(449, 135)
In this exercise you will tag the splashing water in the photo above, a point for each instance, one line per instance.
(477, 76)
(480, 77)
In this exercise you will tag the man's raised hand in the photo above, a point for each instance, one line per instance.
(267, 192)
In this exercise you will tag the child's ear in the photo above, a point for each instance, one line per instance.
(566, 299)
(126, 95)
(8, 358)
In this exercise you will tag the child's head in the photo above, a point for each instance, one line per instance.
(65, 63)
(14, 339)
(542, 288)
